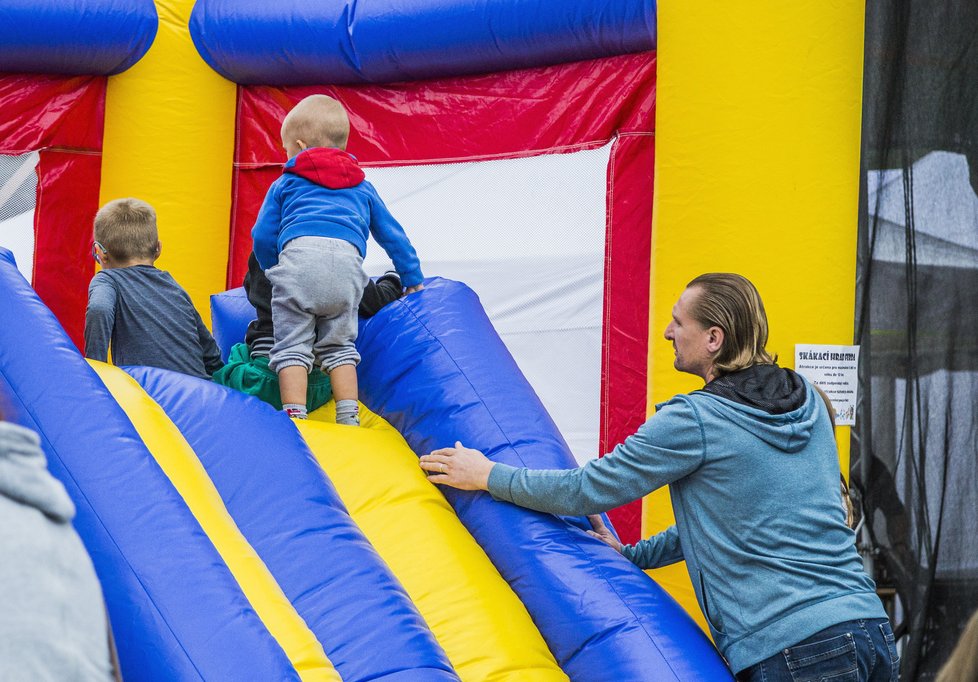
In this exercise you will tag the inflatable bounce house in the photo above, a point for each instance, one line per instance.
(563, 167)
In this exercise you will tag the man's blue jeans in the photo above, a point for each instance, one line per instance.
(854, 651)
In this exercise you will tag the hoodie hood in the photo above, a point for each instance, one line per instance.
(766, 387)
(326, 166)
(774, 403)
(24, 477)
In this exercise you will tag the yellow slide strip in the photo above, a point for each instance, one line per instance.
(181, 466)
(473, 613)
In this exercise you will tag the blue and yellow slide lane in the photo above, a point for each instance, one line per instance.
(180, 464)
(339, 580)
(235, 544)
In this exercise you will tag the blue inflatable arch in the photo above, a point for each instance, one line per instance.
(76, 37)
(311, 42)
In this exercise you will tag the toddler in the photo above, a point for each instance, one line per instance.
(310, 238)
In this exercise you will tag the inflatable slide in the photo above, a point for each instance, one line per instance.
(234, 544)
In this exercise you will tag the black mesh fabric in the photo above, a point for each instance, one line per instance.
(915, 444)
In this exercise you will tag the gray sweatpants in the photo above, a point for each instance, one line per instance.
(316, 288)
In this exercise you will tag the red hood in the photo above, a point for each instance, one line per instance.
(326, 166)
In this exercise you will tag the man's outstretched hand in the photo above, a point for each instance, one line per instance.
(460, 467)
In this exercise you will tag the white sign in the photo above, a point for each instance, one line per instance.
(832, 369)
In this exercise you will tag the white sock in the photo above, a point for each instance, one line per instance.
(295, 410)
(348, 412)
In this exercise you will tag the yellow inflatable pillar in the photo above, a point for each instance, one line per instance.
(757, 172)
(169, 140)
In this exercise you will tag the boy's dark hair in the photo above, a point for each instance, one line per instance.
(126, 228)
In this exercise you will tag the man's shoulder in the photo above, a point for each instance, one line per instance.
(681, 407)
(678, 401)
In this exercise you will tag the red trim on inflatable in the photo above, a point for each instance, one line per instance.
(624, 352)
(62, 119)
(504, 115)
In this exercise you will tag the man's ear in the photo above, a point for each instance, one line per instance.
(159, 248)
(714, 339)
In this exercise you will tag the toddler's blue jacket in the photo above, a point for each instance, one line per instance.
(322, 193)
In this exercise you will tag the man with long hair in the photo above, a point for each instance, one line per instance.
(753, 471)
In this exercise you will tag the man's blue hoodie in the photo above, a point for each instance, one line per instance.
(755, 491)
(322, 193)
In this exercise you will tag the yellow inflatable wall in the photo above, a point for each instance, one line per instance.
(757, 165)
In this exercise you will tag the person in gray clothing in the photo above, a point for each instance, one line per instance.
(753, 474)
(136, 308)
(53, 624)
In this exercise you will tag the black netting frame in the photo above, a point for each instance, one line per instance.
(915, 444)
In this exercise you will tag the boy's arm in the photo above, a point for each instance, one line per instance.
(99, 318)
(661, 549)
(264, 234)
(212, 353)
(377, 294)
(390, 235)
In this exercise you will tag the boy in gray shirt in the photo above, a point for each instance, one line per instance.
(136, 308)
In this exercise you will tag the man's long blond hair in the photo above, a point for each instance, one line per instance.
(127, 230)
(319, 121)
(731, 302)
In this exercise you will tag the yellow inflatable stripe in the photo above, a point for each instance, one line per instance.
(483, 627)
(181, 466)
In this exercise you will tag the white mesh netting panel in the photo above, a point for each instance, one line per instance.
(528, 235)
(18, 192)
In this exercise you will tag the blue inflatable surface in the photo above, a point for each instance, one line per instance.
(91, 37)
(309, 42)
(292, 516)
(434, 367)
(173, 619)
